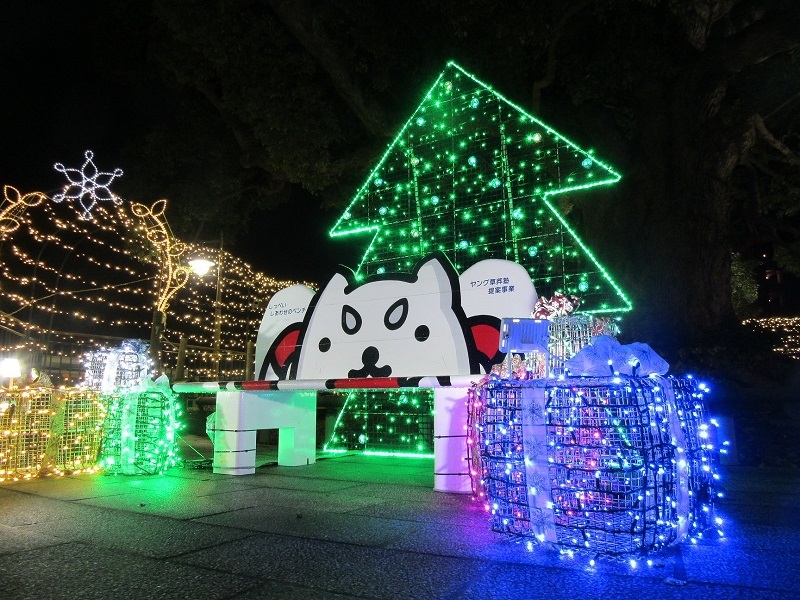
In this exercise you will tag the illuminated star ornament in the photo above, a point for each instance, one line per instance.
(474, 176)
(87, 185)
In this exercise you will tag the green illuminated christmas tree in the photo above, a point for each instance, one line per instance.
(473, 175)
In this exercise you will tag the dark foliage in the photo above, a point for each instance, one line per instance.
(237, 108)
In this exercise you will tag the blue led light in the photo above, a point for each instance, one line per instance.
(598, 437)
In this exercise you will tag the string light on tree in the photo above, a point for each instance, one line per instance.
(61, 273)
(786, 328)
(70, 285)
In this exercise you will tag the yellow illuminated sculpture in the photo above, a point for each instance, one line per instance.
(14, 204)
(172, 276)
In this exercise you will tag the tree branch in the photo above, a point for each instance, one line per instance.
(249, 158)
(550, 71)
(299, 19)
(699, 18)
(766, 135)
(776, 33)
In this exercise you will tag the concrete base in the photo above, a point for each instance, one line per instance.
(450, 466)
(240, 415)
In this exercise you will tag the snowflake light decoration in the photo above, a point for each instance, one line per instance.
(87, 185)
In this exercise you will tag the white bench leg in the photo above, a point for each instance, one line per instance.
(297, 433)
(450, 466)
(234, 441)
(240, 415)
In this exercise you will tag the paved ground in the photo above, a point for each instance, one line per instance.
(352, 527)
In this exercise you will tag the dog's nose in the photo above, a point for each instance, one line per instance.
(370, 367)
(370, 356)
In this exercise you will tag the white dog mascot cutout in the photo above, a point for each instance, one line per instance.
(428, 322)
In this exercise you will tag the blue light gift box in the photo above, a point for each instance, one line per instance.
(612, 465)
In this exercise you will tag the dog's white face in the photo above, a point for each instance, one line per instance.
(386, 328)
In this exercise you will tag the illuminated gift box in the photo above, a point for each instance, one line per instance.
(141, 431)
(44, 430)
(25, 419)
(608, 466)
(114, 369)
(537, 348)
(76, 432)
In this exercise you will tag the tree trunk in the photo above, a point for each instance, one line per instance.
(673, 245)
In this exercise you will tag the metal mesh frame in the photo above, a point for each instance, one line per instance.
(398, 421)
(139, 433)
(130, 365)
(613, 463)
(501, 447)
(45, 431)
(612, 480)
(77, 432)
(568, 335)
(24, 432)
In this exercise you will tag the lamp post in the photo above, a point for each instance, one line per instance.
(201, 267)
(156, 332)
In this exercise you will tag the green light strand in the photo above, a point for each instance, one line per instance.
(140, 433)
(385, 423)
(466, 175)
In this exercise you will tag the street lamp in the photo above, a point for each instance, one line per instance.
(201, 267)
(9, 367)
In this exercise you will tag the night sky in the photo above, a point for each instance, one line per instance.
(77, 77)
(60, 97)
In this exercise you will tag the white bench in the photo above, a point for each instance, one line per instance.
(244, 407)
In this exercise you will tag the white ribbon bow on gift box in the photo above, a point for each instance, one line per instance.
(606, 356)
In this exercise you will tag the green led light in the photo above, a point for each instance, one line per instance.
(397, 454)
(469, 144)
(147, 443)
(385, 423)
